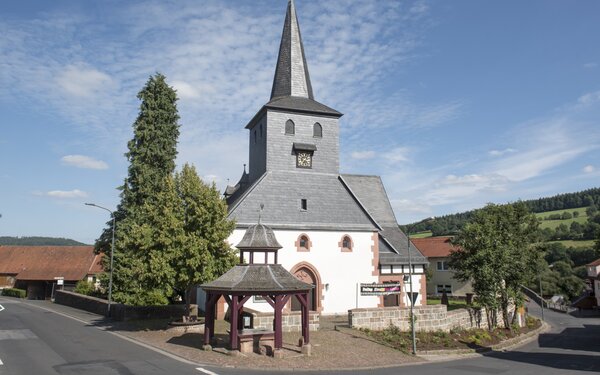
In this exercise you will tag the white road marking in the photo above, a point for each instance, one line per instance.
(1, 307)
(1, 363)
(206, 371)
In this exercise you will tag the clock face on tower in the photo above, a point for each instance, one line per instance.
(304, 160)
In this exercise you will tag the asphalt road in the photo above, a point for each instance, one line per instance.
(35, 340)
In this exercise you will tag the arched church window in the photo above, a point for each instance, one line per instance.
(346, 244)
(290, 128)
(317, 130)
(303, 243)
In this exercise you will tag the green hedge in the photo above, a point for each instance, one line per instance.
(14, 292)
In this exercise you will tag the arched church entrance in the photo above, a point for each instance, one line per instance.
(308, 274)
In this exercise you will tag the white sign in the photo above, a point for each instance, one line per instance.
(60, 282)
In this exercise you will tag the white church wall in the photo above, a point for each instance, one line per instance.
(340, 272)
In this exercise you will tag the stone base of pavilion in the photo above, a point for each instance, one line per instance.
(290, 321)
(259, 337)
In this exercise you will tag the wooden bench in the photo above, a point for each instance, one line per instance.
(249, 340)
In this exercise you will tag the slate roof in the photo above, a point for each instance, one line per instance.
(291, 73)
(259, 236)
(435, 247)
(330, 204)
(371, 194)
(47, 262)
(302, 105)
(257, 278)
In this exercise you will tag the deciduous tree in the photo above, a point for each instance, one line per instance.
(497, 255)
(205, 254)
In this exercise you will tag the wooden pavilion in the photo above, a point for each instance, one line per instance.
(262, 276)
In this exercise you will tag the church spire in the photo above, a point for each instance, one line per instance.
(291, 73)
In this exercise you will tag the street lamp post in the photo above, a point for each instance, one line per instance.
(410, 272)
(112, 252)
(541, 295)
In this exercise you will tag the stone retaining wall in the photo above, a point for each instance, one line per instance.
(291, 322)
(119, 311)
(428, 318)
(82, 302)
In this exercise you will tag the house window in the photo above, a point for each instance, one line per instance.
(440, 289)
(442, 265)
(303, 243)
(261, 130)
(290, 128)
(317, 130)
(255, 137)
(303, 204)
(346, 244)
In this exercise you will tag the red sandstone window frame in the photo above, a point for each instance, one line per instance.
(307, 243)
(346, 244)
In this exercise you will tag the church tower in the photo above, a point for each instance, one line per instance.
(335, 229)
(293, 132)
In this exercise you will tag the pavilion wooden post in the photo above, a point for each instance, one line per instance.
(207, 319)
(233, 329)
(303, 298)
(209, 316)
(277, 324)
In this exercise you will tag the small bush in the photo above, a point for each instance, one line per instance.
(566, 215)
(531, 322)
(85, 287)
(14, 292)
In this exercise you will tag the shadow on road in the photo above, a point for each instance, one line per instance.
(586, 339)
(571, 362)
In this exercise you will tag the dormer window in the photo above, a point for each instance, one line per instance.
(290, 127)
(317, 130)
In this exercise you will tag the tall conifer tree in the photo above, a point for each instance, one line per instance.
(142, 271)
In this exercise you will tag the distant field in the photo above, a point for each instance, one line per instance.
(421, 234)
(571, 243)
(552, 224)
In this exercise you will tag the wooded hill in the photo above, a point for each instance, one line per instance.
(450, 224)
(38, 241)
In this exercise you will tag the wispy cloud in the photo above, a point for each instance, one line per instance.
(63, 194)
(83, 81)
(397, 154)
(363, 155)
(589, 169)
(590, 65)
(502, 152)
(82, 161)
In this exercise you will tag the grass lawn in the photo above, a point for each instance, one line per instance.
(453, 304)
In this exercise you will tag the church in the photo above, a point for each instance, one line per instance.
(337, 230)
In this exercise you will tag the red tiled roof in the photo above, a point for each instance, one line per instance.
(434, 247)
(594, 263)
(48, 262)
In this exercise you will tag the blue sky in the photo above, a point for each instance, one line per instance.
(453, 103)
